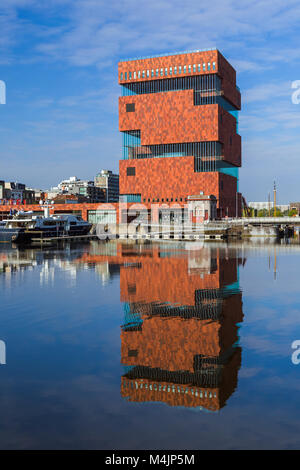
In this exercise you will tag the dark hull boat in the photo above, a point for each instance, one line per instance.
(11, 235)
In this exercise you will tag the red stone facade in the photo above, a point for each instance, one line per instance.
(175, 178)
(169, 118)
(166, 118)
(172, 118)
(222, 68)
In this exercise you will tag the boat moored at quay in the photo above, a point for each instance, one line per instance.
(11, 232)
(24, 227)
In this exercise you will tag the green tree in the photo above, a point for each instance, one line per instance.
(293, 212)
(278, 212)
(263, 213)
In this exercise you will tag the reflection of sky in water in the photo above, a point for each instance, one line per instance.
(60, 319)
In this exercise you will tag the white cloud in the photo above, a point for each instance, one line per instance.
(255, 35)
(268, 92)
(95, 32)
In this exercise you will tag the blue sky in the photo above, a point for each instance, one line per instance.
(59, 61)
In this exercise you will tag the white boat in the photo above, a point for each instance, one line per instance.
(25, 226)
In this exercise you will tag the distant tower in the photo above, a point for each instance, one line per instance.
(274, 199)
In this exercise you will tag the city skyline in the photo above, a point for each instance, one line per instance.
(59, 65)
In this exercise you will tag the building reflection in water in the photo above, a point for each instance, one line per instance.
(182, 308)
(179, 341)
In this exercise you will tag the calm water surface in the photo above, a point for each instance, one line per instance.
(150, 346)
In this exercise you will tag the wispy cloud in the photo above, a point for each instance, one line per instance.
(86, 38)
(268, 92)
(95, 32)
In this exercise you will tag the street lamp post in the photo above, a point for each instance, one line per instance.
(274, 199)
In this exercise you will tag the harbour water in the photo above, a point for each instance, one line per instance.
(170, 345)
